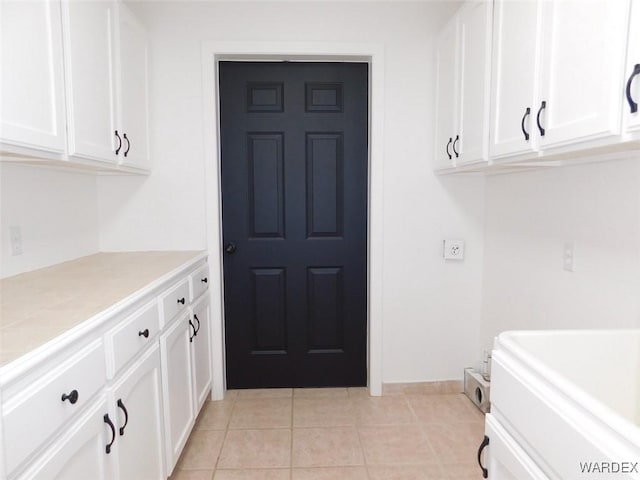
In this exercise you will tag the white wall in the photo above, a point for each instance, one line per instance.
(56, 212)
(431, 308)
(529, 218)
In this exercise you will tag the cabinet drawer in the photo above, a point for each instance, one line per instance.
(131, 336)
(506, 459)
(199, 282)
(38, 412)
(175, 300)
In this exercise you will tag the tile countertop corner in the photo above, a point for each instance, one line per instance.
(37, 306)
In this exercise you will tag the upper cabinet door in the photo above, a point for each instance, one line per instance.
(89, 65)
(31, 79)
(474, 84)
(133, 99)
(446, 95)
(515, 68)
(631, 103)
(582, 70)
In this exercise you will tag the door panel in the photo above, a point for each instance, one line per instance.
(581, 102)
(266, 185)
(515, 70)
(324, 184)
(31, 92)
(89, 59)
(474, 80)
(446, 95)
(294, 196)
(134, 80)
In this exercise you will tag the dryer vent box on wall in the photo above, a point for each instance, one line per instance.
(477, 389)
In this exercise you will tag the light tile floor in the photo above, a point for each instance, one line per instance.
(334, 434)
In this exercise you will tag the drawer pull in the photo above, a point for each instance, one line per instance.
(128, 144)
(527, 112)
(196, 330)
(204, 280)
(126, 415)
(543, 105)
(181, 300)
(485, 442)
(144, 333)
(108, 421)
(119, 143)
(71, 396)
(633, 106)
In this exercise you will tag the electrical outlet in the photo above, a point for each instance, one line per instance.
(568, 257)
(453, 249)
(16, 240)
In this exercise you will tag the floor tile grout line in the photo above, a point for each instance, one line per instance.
(364, 456)
(291, 436)
(226, 432)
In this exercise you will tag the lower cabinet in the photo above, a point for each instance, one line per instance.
(119, 402)
(186, 376)
(81, 452)
(505, 459)
(177, 386)
(137, 399)
(201, 346)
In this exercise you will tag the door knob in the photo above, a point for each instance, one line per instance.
(230, 248)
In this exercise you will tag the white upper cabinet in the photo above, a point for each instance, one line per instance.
(462, 89)
(91, 98)
(74, 84)
(31, 77)
(515, 70)
(133, 105)
(631, 101)
(446, 94)
(582, 71)
(474, 82)
(106, 65)
(557, 70)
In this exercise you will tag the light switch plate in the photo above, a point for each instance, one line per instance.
(454, 249)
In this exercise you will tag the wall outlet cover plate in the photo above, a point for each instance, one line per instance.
(454, 249)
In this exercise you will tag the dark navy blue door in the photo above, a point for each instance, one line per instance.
(294, 210)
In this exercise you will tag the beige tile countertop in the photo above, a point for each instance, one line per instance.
(37, 306)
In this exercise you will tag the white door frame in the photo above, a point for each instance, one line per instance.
(373, 55)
